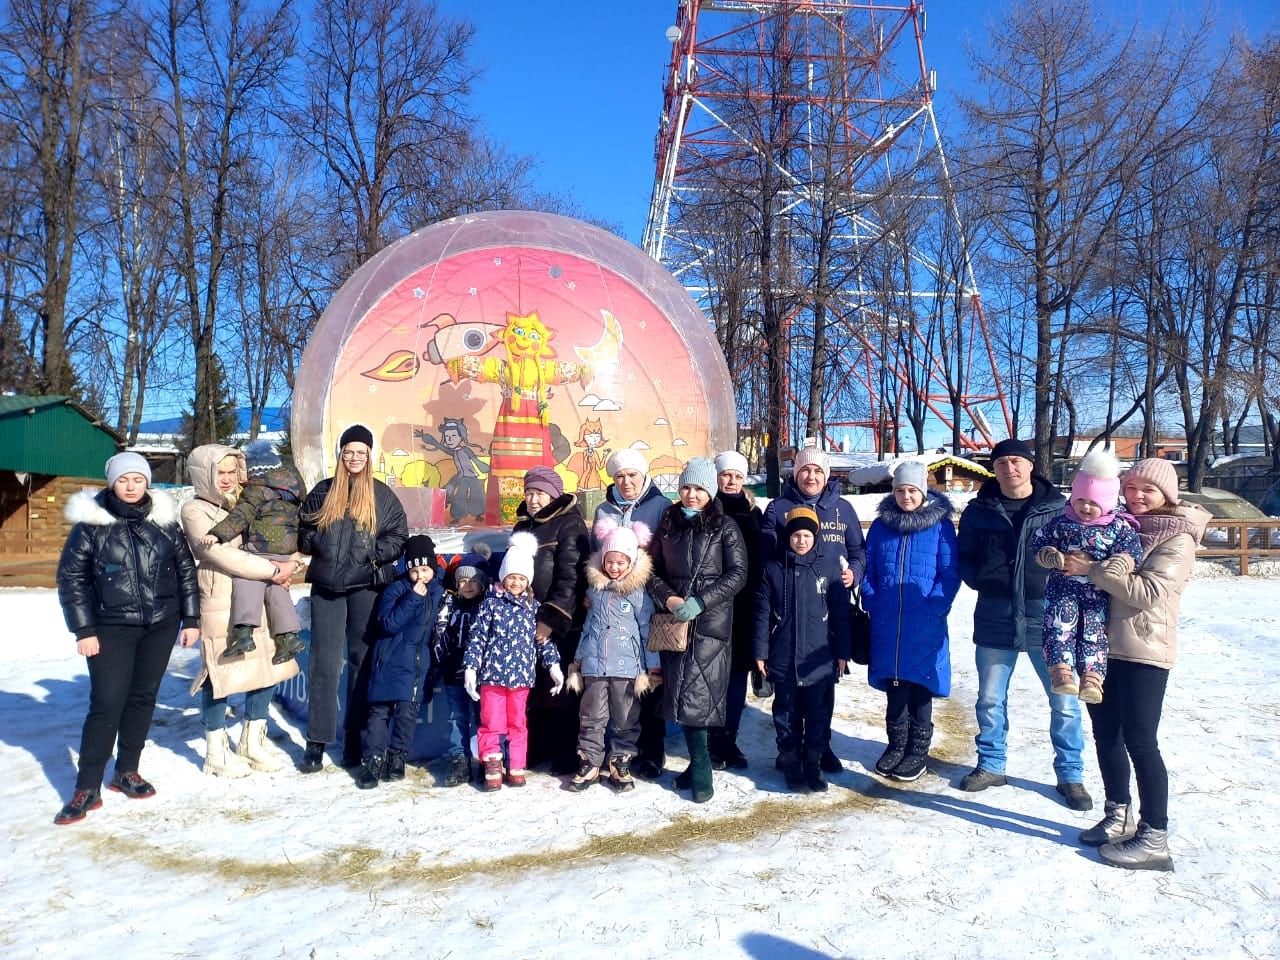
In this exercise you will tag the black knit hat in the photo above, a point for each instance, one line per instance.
(356, 433)
(1012, 448)
(420, 551)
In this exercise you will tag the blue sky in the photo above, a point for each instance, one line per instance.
(579, 85)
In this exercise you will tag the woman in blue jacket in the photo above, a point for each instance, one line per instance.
(912, 577)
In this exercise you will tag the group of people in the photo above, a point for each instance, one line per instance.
(587, 641)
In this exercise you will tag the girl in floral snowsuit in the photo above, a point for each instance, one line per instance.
(1075, 611)
(499, 664)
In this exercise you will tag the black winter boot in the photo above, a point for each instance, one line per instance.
(312, 757)
(288, 646)
(813, 777)
(897, 747)
(792, 769)
(370, 771)
(830, 763)
(917, 758)
(240, 640)
(733, 757)
(699, 763)
(394, 769)
(459, 772)
(716, 747)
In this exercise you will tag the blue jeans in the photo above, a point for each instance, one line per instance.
(464, 720)
(256, 703)
(995, 670)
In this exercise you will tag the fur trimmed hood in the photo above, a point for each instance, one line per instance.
(634, 579)
(88, 507)
(936, 508)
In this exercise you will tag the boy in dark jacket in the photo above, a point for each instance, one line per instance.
(801, 644)
(266, 517)
(449, 643)
(401, 660)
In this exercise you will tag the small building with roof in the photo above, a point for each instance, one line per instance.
(50, 448)
(948, 473)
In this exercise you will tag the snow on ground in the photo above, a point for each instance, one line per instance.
(291, 866)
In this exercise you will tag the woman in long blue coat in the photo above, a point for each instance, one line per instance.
(911, 579)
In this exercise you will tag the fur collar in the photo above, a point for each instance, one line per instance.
(633, 580)
(87, 507)
(936, 508)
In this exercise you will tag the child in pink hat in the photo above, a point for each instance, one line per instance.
(1075, 611)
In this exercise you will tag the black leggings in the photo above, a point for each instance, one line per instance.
(1124, 729)
(908, 701)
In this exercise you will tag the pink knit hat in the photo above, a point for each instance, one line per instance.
(1098, 479)
(1158, 473)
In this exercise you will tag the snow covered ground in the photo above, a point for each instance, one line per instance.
(290, 866)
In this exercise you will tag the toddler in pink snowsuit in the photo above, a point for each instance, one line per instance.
(1075, 611)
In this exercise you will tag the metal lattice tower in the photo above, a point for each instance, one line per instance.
(800, 170)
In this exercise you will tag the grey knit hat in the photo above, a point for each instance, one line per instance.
(700, 472)
(912, 473)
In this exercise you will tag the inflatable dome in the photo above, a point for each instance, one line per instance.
(484, 345)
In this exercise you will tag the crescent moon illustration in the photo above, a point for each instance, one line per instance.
(605, 351)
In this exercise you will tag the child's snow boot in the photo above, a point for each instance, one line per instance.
(897, 748)
(587, 775)
(240, 640)
(395, 765)
(792, 769)
(620, 774)
(1062, 679)
(917, 756)
(516, 778)
(370, 774)
(1090, 687)
(493, 771)
(813, 777)
(459, 771)
(288, 646)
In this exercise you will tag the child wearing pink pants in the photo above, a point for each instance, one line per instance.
(499, 664)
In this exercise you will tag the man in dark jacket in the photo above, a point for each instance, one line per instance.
(998, 561)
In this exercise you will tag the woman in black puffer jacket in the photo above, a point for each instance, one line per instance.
(354, 528)
(127, 585)
(699, 566)
(559, 585)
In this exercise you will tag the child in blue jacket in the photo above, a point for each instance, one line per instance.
(802, 643)
(612, 653)
(912, 577)
(401, 658)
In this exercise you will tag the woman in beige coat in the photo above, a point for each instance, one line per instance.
(217, 472)
(1142, 634)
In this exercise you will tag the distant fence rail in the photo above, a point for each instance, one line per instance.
(1243, 541)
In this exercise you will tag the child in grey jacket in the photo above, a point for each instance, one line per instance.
(613, 666)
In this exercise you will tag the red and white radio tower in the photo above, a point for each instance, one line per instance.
(799, 159)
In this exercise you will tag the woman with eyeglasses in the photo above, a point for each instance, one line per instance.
(354, 528)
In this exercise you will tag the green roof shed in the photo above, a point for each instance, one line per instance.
(54, 436)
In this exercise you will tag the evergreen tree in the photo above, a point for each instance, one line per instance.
(226, 420)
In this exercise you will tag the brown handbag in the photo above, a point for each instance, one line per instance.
(667, 634)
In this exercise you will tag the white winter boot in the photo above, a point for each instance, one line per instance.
(219, 759)
(257, 749)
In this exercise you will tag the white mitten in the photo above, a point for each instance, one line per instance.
(557, 678)
(469, 684)
(574, 681)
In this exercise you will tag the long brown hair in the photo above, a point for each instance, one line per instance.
(347, 499)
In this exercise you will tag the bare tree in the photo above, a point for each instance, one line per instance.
(384, 92)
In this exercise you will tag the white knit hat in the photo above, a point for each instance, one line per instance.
(731, 460)
(812, 455)
(627, 459)
(519, 559)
